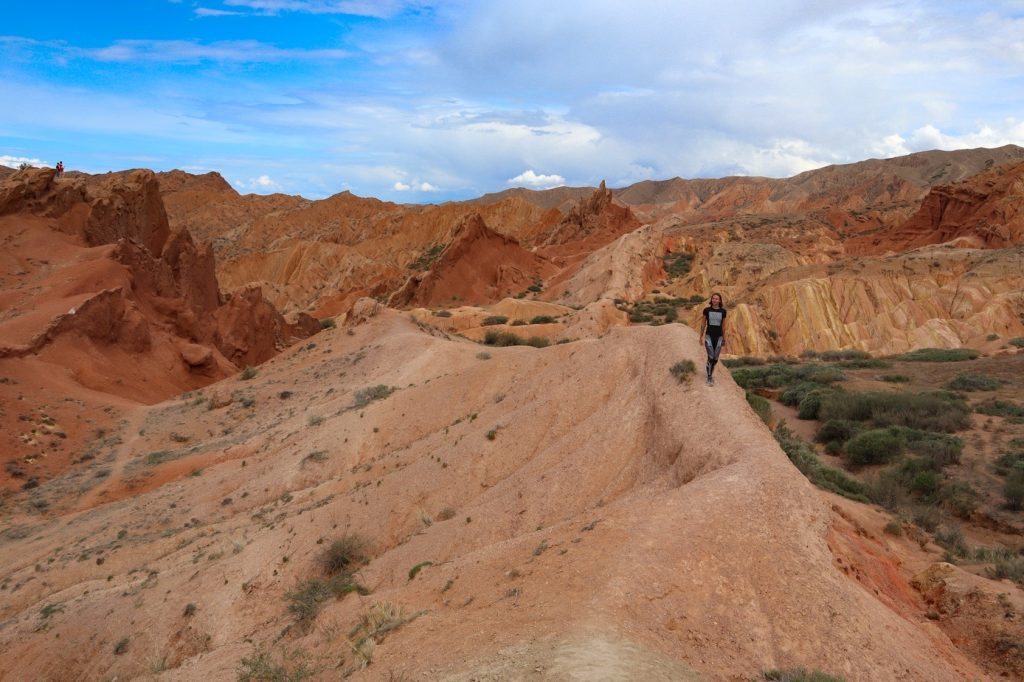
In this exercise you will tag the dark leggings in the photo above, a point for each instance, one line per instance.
(713, 345)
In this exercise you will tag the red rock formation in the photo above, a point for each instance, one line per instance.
(478, 266)
(984, 211)
(591, 224)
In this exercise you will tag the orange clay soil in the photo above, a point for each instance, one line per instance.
(585, 516)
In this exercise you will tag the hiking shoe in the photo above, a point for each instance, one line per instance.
(710, 382)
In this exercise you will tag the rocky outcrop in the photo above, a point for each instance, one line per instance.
(478, 266)
(985, 211)
(592, 223)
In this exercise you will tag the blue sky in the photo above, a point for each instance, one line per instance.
(422, 101)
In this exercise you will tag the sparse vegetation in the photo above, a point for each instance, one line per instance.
(1017, 341)
(342, 554)
(365, 396)
(817, 472)
(260, 666)
(328, 323)
(483, 355)
(799, 675)
(974, 382)
(542, 319)
(493, 320)
(442, 313)
(121, 646)
(677, 264)
(427, 258)
(895, 378)
(935, 411)
(315, 420)
(247, 373)
(999, 408)
(940, 355)
(419, 567)
(683, 370)
(373, 627)
(501, 338)
(761, 406)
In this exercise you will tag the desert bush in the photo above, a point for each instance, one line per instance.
(999, 408)
(817, 472)
(247, 373)
(837, 355)
(1017, 341)
(499, 338)
(936, 411)
(494, 319)
(328, 323)
(761, 406)
(677, 264)
(974, 382)
(365, 396)
(940, 355)
(121, 646)
(895, 378)
(876, 446)
(894, 527)
(799, 675)
(952, 540)
(427, 258)
(519, 323)
(262, 667)
(743, 361)
(542, 319)
(940, 448)
(683, 370)
(442, 313)
(342, 554)
(1011, 568)
(782, 374)
(864, 363)
(837, 430)
(1013, 488)
(306, 599)
(1005, 462)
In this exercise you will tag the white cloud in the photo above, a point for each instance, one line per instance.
(400, 186)
(211, 12)
(262, 184)
(16, 161)
(190, 51)
(532, 179)
(382, 9)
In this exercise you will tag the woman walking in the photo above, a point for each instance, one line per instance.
(712, 330)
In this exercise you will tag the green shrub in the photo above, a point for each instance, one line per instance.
(542, 319)
(683, 370)
(810, 405)
(876, 446)
(519, 323)
(974, 382)
(743, 361)
(494, 319)
(940, 448)
(328, 323)
(677, 264)
(419, 567)
(936, 411)
(999, 408)
(427, 258)
(761, 406)
(799, 675)
(640, 317)
(866, 363)
(247, 373)
(1005, 462)
(894, 527)
(537, 342)
(261, 667)
(442, 313)
(782, 374)
(1013, 488)
(895, 378)
(121, 646)
(1011, 568)
(1017, 341)
(837, 430)
(817, 472)
(940, 355)
(342, 554)
(365, 396)
(847, 355)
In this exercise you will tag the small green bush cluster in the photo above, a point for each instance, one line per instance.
(817, 472)
(999, 408)
(442, 313)
(677, 264)
(247, 373)
(974, 382)
(262, 667)
(799, 675)
(895, 378)
(365, 396)
(940, 355)
(328, 323)
(661, 310)
(427, 258)
(542, 319)
(761, 406)
(493, 320)
(500, 338)
(683, 370)
(1017, 341)
(931, 411)
(338, 563)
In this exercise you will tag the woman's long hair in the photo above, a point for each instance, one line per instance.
(721, 302)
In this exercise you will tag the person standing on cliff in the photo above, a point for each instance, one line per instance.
(712, 331)
(60, 169)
